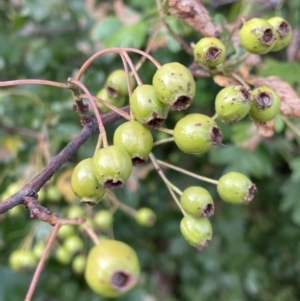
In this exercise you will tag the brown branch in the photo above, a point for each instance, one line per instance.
(38, 181)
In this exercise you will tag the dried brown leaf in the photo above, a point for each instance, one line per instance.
(290, 101)
(253, 141)
(224, 81)
(194, 14)
(265, 129)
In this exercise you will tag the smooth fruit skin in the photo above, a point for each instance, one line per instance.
(265, 105)
(210, 52)
(103, 219)
(197, 134)
(117, 85)
(257, 36)
(145, 217)
(146, 107)
(233, 103)
(112, 166)
(236, 188)
(118, 101)
(112, 268)
(136, 139)
(85, 184)
(283, 32)
(22, 259)
(174, 85)
(73, 244)
(197, 231)
(78, 264)
(197, 201)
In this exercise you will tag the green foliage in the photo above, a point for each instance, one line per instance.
(255, 250)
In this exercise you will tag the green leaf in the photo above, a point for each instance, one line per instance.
(105, 29)
(128, 36)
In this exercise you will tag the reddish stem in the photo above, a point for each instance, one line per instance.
(33, 81)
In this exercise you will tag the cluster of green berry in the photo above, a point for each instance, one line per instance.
(260, 36)
(257, 36)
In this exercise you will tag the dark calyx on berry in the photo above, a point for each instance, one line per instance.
(113, 183)
(213, 53)
(267, 37)
(182, 103)
(216, 136)
(121, 281)
(202, 245)
(209, 210)
(284, 29)
(263, 99)
(112, 92)
(136, 161)
(155, 122)
(251, 193)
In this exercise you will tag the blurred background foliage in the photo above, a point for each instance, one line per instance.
(255, 250)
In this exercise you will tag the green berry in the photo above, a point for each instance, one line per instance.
(146, 107)
(257, 36)
(197, 201)
(74, 211)
(136, 139)
(78, 264)
(38, 249)
(85, 184)
(103, 219)
(22, 260)
(53, 194)
(116, 101)
(66, 231)
(112, 268)
(210, 52)
(233, 103)
(174, 85)
(62, 255)
(236, 188)
(116, 83)
(145, 217)
(265, 105)
(197, 134)
(73, 244)
(112, 166)
(283, 32)
(197, 231)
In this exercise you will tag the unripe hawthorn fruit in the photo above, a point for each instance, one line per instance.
(197, 133)
(62, 255)
(233, 103)
(116, 84)
(197, 231)
(265, 104)
(75, 211)
(197, 201)
(112, 268)
(22, 260)
(85, 184)
(210, 52)
(73, 244)
(78, 264)
(146, 107)
(236, 188)
(112, 166)
(66, 231)
(136, 139)
(174, 85)
(38, 249)
(145, 217)
(117, 101)
(257, 36)
(103, 219)
(283, 32)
